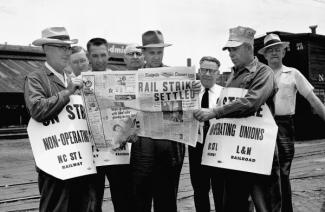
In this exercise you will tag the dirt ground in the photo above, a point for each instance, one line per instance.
(18, 179)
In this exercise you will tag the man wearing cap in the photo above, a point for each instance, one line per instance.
(155, 163)
(247, 73)
(118, 175)
(133, 57)
(288, 81)
(47, 91)
(203, 177)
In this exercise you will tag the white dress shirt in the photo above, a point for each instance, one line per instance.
(289, 81)
(214, 94)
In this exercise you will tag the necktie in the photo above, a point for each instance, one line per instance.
(205, 103)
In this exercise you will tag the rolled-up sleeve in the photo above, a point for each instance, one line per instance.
(40, 106)
(258, 92)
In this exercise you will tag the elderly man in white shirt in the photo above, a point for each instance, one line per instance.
(288, 81)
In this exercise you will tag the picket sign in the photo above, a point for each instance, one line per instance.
(62, 146)
(244, 144)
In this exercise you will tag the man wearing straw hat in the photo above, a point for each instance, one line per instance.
(247, 73)
(47, 91)
(288, 82)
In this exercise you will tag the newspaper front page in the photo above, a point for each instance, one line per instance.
(156, 103)
(111, 122)
(167, 100)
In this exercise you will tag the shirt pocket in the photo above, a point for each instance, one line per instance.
(247, 80)
(286, 89)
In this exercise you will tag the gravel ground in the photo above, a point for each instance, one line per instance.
(17, 166)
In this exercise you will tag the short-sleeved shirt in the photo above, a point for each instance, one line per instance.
(288, 81)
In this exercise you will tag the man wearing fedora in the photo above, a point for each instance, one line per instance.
(47, 91)
(133, 57)
(155, 163)
(118, 176)
(247, 73)
(288, 81)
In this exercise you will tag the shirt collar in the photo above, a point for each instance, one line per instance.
(213, 89)
(63, 77)
(285, 69)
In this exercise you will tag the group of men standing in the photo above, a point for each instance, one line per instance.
(276, 85)
(155, 164)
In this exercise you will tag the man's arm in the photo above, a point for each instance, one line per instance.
(40, 106)
(259, 91)
(316, 104)
(306, 90)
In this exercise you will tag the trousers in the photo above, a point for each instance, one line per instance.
(120, 186)
(204, 178)
(285, 142)
(265, 190)
(66, 195)
(155, 170)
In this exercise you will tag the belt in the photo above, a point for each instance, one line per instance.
(284, 117)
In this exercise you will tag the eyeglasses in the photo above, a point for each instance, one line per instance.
(138, 54)
(64, 48)
(205, 71)
(79, 61)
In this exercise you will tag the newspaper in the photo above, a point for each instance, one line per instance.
(167, 101)
(110, 121)
(156, 103)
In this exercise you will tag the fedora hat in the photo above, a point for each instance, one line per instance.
(272, 40)
(238, 36)
(153, 38)
(54, 35)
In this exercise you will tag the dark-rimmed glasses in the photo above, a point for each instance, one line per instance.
(64, 48)
(205, 71)
(138, 54)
